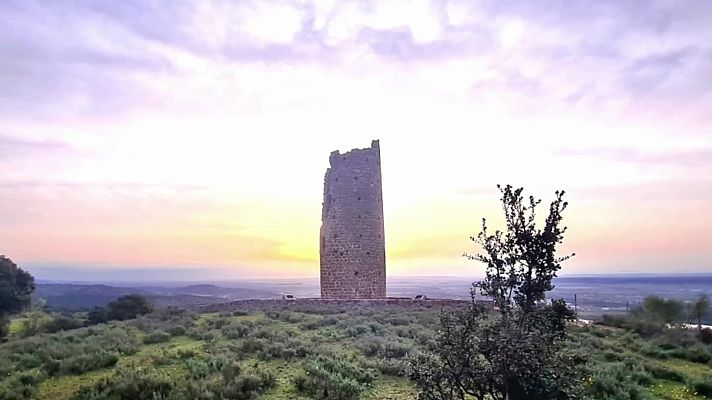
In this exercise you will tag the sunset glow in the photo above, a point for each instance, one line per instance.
(161, 134)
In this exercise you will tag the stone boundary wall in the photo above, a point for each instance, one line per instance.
(312, 304)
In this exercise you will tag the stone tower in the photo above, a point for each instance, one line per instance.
(352, 242)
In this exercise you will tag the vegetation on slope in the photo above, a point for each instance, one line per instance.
(346, 354)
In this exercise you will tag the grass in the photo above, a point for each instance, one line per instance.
(688, 368)
(65, 387)
(672, 391)
(392, 388)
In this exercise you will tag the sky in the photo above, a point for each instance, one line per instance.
(189, 139)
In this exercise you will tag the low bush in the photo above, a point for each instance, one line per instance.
(706, 336)
(69, 352)
(702, 387)
(130, 383)
(21, 386)
(614, 382)
(81, 363)
(157, 336)
(661, 372)
(237, 330)
(246, 385)
(388, 366)
(333, 379)
(372, 346)
(62, 323)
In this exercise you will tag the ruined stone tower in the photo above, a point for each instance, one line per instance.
(352, 243)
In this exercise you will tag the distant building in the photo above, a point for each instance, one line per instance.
(352, 241)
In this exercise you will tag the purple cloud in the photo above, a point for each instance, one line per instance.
(87, 55)
(689, 158)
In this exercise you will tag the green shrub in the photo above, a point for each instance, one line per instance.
(130, 383)
(176, 330)
(309, 325)
(62, 323)
(328, 321)
(698, 353)
(246, 385)
(372, 346)
(706, 336)
(251, 346)
(199, 368)
(613, 356)
(185, 354)
(21, 386)
(90, 393)
(661, 372)
(702, 387)
(237, 330)
(68, 352)
(291, 317)
(301, 348)
(81, 363)
(357, 330)
(333, 379)
(4, 327)
(614, 382)
(157, 336)
(389, 366)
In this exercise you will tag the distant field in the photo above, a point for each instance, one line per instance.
(276, 353)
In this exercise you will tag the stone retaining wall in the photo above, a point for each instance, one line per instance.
(332, 304)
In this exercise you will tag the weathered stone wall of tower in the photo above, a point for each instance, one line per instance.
(352, 242)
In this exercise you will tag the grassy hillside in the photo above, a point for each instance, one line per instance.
(358, 353)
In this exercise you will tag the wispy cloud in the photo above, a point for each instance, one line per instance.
(682, 158)
(12, 144)
(112, 186)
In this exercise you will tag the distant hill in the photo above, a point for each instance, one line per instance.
(65, 296)
(213, 290)
(76, 297)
